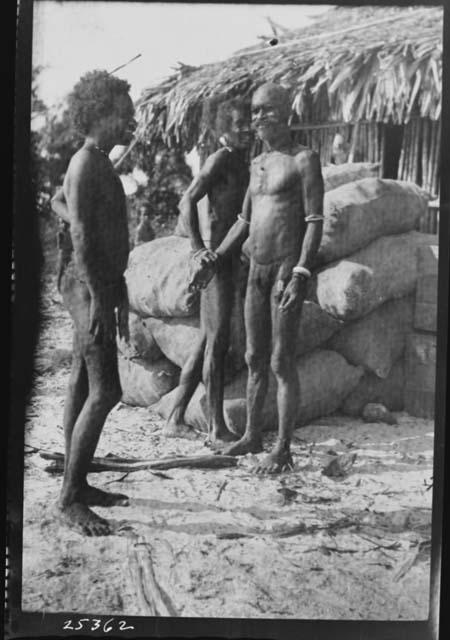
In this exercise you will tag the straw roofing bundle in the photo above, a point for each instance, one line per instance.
(375, 63)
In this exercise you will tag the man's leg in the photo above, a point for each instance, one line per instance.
(284, 336)
(76, 394)
(216, 307)
(257, 356)
(104, 392)
(77, 390)
(191, 375)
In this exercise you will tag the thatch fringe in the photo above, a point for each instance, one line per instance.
(364, 69)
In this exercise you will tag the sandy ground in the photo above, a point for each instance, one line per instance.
(227, 543)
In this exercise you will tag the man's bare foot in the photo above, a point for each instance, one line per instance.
(96, 497)
(220, 437)
(80, 518)
(275, 462)
(243, 446)
(179, 430)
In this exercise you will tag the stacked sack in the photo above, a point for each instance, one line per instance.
(352, 333)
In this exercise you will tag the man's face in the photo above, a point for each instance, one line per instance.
(239, 134)
(120, 125)
(268, 114)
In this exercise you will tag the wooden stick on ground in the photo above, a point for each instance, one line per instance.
(287, 531)
(153, 601)
(209, 461)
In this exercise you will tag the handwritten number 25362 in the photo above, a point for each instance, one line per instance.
(93, 624)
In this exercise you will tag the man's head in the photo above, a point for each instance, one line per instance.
(339, 150)
(271, 106)
(144, 211)
(233, 123)
(100, 105)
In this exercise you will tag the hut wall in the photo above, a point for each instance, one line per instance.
(409, 152)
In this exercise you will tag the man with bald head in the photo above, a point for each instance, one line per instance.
(282, 217)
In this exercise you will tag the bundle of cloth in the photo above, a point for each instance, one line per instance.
(354, 326)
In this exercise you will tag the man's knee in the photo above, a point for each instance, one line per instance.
(282, 363)
(256, 360)
(105, 398)
(214, 360)
(217, 343)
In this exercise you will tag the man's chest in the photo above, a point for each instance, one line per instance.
(110, 191)
(274, 173)
(229, 187)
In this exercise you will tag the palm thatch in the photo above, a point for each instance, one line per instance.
(376, 64)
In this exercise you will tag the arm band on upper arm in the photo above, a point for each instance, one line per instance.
(242, 219)
(314, 217)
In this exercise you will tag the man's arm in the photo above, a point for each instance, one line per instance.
(59, 206)
(197, 190)
(238, 233)
(312, 194)
(234, 239)
(79, 192)
(312, 191)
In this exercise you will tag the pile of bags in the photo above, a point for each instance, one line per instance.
(355, 322)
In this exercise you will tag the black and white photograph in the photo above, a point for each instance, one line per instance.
(236, 393)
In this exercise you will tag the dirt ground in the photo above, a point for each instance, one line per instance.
(227, 543)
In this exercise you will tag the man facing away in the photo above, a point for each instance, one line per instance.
(283, 217)
(224, 180)
(92, 286)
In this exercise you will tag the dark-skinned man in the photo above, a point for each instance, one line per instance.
(283, 217)
(223, 179)
(93, 261)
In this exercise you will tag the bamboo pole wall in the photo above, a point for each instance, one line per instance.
(419, 157)
(367, 142)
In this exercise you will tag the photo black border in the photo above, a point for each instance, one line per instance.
(24, 331)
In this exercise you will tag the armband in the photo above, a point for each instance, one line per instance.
(301, 271)
(314, 217)
(242, 219)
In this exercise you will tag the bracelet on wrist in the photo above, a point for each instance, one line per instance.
(242, 219)
(301, 271)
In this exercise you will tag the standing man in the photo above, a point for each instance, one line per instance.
(93, 287)
(224, 180)
(283, 217)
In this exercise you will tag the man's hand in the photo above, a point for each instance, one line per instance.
(102, 323)
(205, 256)
(203, 269)
(122, 313)
(293, 295)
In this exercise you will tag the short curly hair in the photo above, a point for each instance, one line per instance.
(92, 98)
(225, 111)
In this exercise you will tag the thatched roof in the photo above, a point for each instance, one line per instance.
(351, 64)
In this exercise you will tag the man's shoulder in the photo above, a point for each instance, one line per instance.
(306, 157)
(216, 161)
(221, 155)
(81, 162)
(300, 151)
